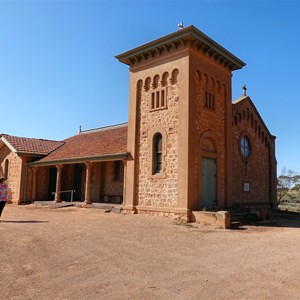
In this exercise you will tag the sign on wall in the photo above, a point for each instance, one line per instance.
(246, 187)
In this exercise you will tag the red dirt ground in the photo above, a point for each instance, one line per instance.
(80, 253)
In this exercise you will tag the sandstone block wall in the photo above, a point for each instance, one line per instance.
(14, 172)
(157, 190)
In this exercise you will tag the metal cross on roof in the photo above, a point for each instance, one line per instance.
(245, 89)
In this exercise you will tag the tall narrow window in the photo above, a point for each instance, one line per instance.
(157, 154)
(245, 146)
(153, 101)
(162, 98)
(159, 99)
(6, 169)
(209, 101)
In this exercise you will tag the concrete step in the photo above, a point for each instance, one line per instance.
(239, 214)
(242, 216)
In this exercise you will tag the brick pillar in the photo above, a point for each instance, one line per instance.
(87, 199)
(33, 196)
(58, 182)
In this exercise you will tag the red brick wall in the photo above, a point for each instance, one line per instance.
(42, 183)
(110, 186)
(256, 169)
(209, 123)
(113, 187)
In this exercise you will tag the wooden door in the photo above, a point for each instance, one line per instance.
(209, 182)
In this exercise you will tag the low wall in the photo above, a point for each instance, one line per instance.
(219, 219)
(290, 206)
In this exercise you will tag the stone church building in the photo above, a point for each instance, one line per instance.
(187, 147)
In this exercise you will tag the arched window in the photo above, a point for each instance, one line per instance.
(174, 77)
(157, 153)
(164, 80)
(147, 84)
(6, 169)
(245, 146)
(235, 120)
(139, 87)
(155, 81)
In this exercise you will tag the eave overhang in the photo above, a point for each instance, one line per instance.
(19, 153)
(187, 36)
(22, 153)
(30, 154)
(64, 161)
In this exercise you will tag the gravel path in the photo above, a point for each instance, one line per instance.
(80, 253)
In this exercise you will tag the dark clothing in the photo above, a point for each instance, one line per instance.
(2, 204)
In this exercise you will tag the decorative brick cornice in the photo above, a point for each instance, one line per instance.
(187, 37)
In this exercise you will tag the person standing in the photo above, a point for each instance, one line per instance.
(3, 194)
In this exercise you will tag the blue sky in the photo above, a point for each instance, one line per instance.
(58, 71)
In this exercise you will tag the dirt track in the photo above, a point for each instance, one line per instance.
(76, 253)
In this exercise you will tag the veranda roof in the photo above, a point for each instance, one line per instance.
(108, 143)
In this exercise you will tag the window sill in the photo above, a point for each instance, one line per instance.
(158, 176)
(158, 108)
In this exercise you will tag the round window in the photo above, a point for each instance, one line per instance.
(245, 146)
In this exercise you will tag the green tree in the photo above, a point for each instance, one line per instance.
(287, 181)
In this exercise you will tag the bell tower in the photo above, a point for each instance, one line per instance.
(180, 124)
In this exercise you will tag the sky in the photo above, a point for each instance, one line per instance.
(58, 69)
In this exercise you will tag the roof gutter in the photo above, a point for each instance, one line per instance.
(30, 154)
(106, 157)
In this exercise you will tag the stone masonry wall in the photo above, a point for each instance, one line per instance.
(159, 190)
(14, 172)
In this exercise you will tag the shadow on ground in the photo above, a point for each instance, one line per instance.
(24, 221)
(277, 218)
